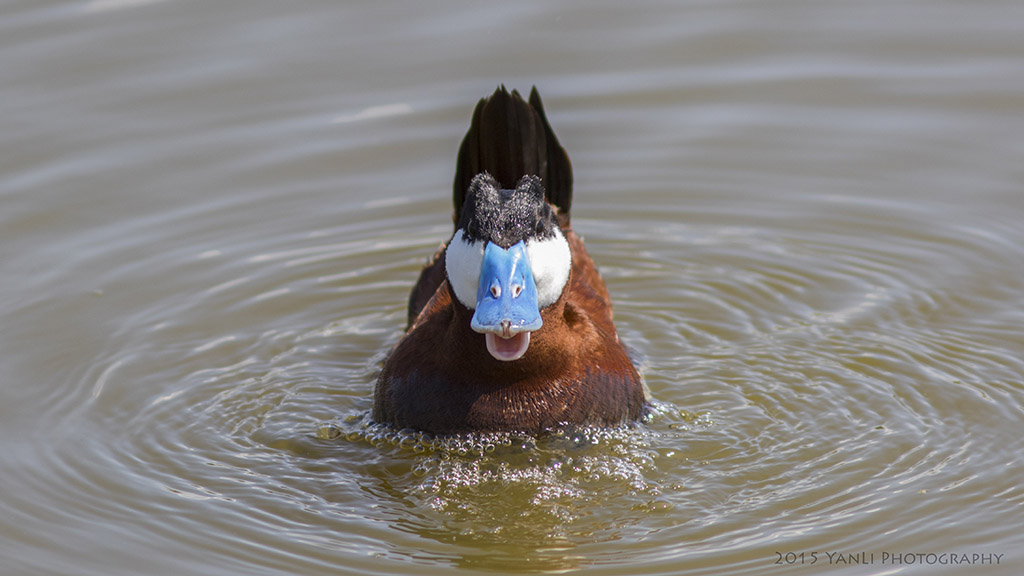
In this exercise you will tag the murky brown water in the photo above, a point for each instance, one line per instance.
(810, 215)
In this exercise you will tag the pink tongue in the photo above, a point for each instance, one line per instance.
(507, 349)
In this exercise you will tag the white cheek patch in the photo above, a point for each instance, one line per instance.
(462, 261)
(550, 261)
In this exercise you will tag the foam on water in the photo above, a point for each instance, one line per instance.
(488, 477)
(515, 491)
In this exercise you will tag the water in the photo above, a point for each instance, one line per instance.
(808, 214)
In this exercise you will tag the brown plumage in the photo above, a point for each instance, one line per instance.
(440, 377)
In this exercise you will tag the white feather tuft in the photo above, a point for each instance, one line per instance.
(462, 262)
(550, 261)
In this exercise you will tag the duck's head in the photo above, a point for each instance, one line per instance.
(507, 260)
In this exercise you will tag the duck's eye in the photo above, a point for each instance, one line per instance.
(516, 290)
(496, 291)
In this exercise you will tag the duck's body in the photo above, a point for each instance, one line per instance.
(510, 324)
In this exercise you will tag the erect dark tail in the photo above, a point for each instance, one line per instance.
(510, 138)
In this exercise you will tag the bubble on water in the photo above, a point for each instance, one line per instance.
(328, 432)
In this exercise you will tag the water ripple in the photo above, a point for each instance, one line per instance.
(815, 255)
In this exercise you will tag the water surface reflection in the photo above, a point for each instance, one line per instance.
(808, 216)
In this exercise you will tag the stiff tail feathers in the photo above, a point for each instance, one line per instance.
(510, 138)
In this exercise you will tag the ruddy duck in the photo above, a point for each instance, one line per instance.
(510, 324)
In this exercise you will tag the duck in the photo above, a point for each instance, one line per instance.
(509, 324)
